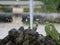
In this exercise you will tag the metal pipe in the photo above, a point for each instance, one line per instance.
(31, 14)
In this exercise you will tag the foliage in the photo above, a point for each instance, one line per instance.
(51, 30)
(5, 9)
(7, 0)
(26, 9)
(49, 5)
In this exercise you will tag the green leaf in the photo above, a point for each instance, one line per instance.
(54, 32)
(51, 30)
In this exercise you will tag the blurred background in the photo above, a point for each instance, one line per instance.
(15, 13)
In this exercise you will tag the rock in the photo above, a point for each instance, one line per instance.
(21, 28)
(13, 33)
(49, 40)
(10, 43)
(26, 37)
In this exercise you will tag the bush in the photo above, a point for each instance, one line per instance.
(5, 9)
